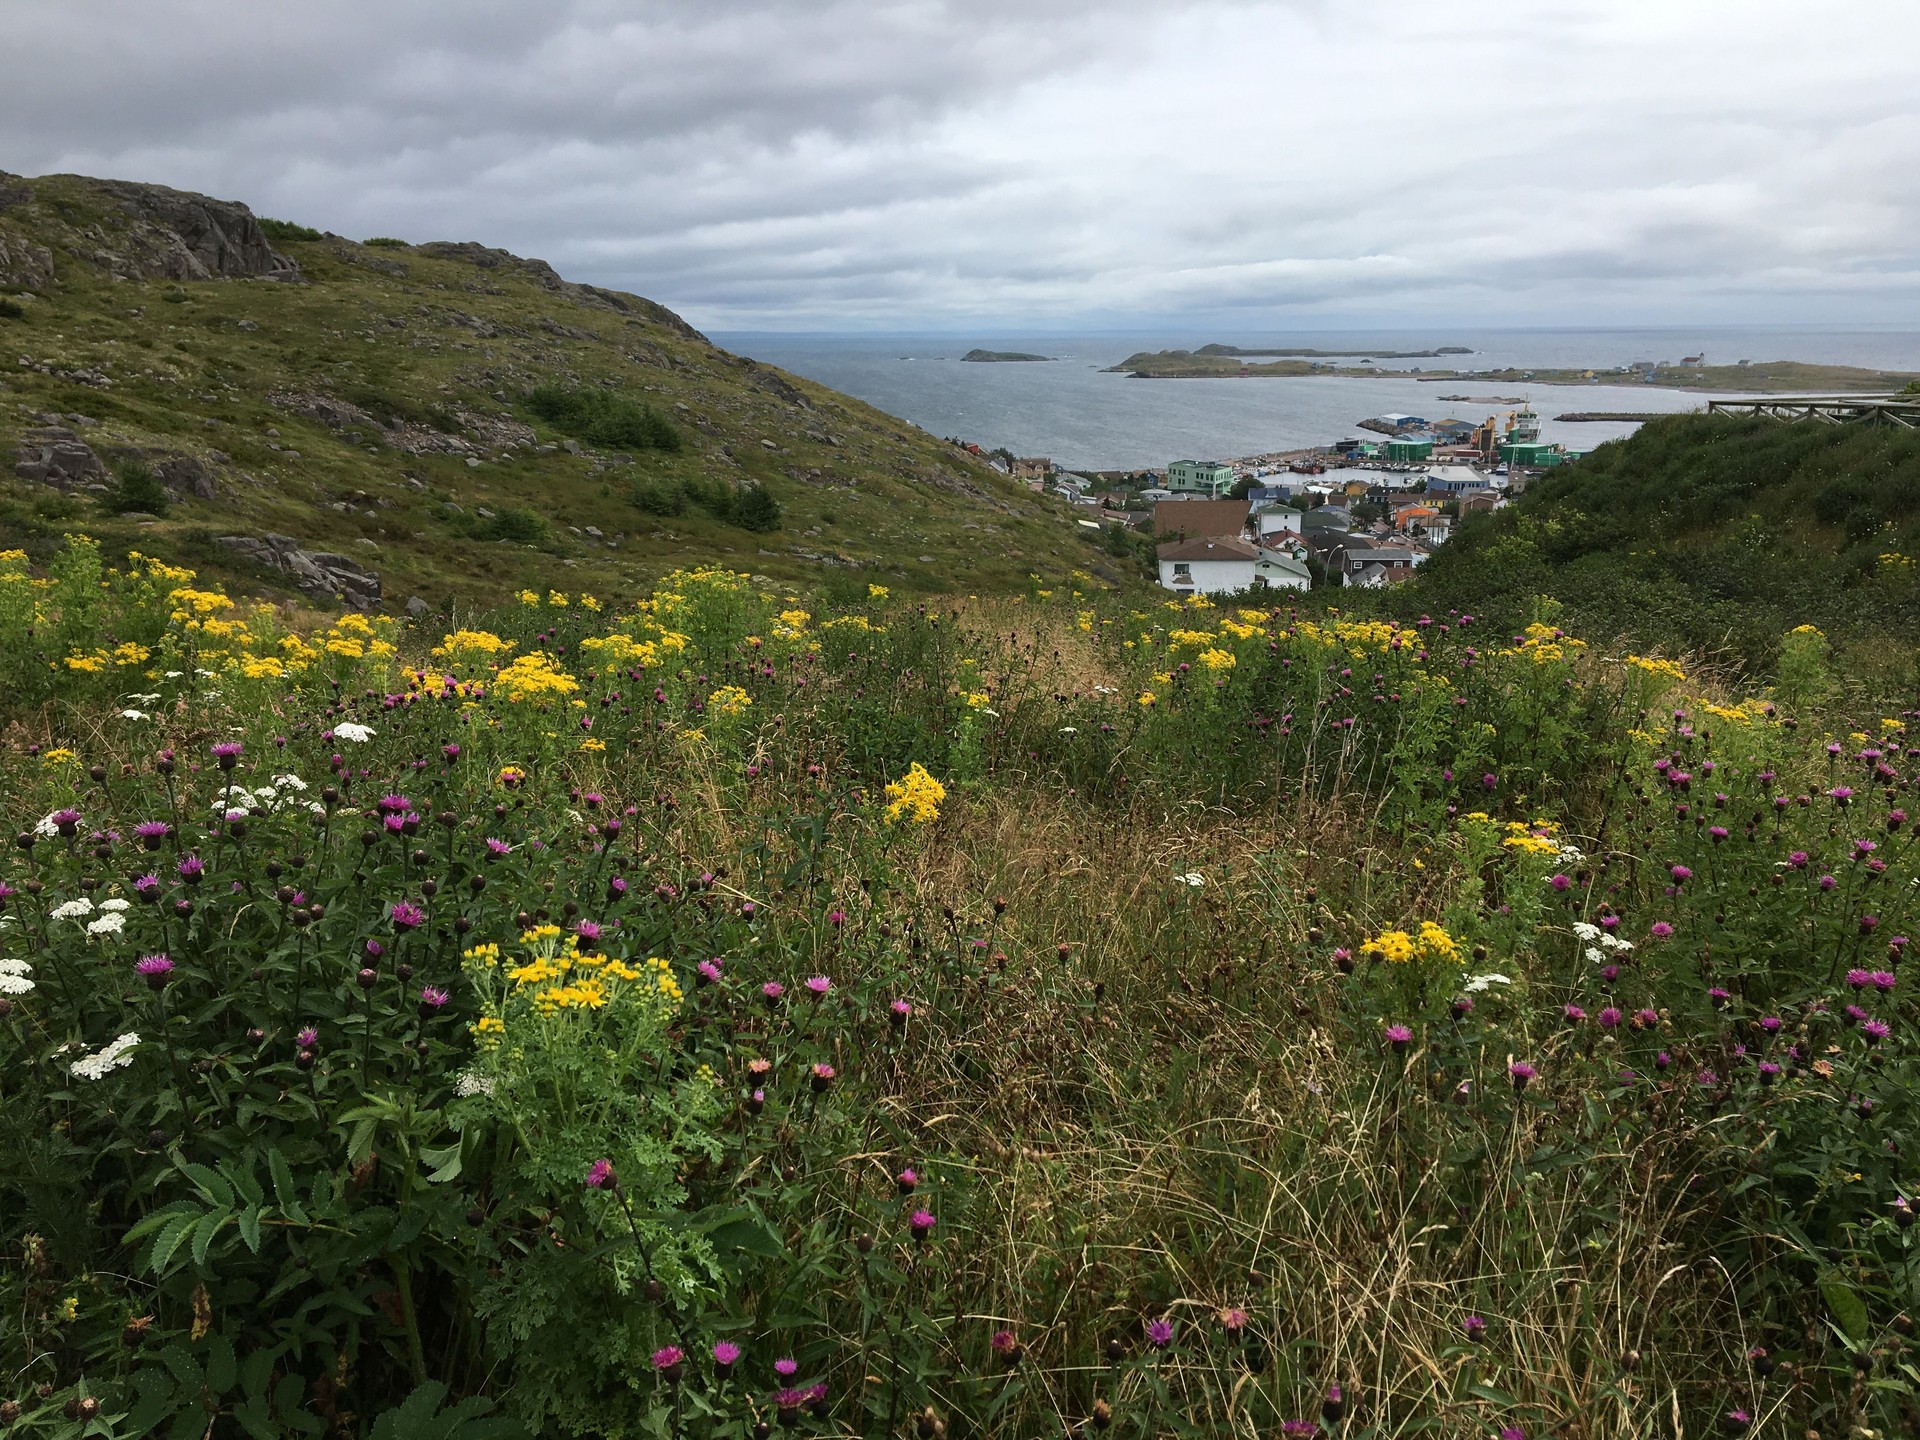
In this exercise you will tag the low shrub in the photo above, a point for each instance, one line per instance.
(602, 417)
(282, 232)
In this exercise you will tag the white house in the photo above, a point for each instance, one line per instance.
(1277, 520)
(1282, 569)
(1207, 565)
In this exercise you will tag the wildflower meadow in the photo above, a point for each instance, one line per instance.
(724, 1013)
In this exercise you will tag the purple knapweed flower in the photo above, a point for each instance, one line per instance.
(708, 971)
(406, 915)
(227, 752)
(1875, 1030)
(726, 1355)
(898, 1012)
(600, 1174)
(921, 1222)
(1475, 1328)
(154, 969)
(786, 1367)
(1572, 1014)
(772, 991)
(1609, 1018)
(818, 986)
(588, 930)
(1521, 1073)
(1398, 1036)
(191, 868)
(667, 1360)
(150, 833)
(1160, 1333)
(1660, 930)
(432, 997)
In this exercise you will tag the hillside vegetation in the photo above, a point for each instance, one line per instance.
(1714, 535)
(1034, 1016)
(457, 420)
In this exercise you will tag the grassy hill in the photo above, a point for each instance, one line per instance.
(461, 421)
(1712, 534)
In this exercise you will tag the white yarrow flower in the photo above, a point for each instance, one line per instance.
(135, 715)
(115, 905)
(472, 1082)
(115, 1056)
(111, 923)
(1193, 878)
(1476, 983)
(289, 782)
(46, 829)
(13, 976)
(352, 730)
(1586, 931)
(76, 909)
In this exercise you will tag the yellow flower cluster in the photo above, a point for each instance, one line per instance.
(729, 701)
(462, 644)
(534, 676)
(1665, 669)
(915, 797)
(1543, 644)
(1428, 942)
(1217, 659)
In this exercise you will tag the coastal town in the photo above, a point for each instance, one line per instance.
(1363, 513)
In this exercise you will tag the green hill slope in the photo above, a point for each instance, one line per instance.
(1710, 534)
(456, 420)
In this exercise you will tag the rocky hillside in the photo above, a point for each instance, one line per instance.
(401, 424)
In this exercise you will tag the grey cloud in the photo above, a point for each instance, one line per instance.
(912, 162)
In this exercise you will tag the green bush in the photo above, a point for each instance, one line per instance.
(280, 232)
(602, 417)
(516, 524)
(387, 242)
(754, 508)
(659, 497)
(11, 309)
(137, 488)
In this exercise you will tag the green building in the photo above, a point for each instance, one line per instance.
(1535, 454)
(1406, 448)
(1200, 477)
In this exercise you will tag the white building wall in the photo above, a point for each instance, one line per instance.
(1208, 577)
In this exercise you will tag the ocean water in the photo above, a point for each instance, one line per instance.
(1070, 410)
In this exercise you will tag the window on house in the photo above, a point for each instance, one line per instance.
(1182, 570)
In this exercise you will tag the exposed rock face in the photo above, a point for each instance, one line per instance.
(319, 573)
(54, 455)
(29, 267)
(184, 475)
(181, 236)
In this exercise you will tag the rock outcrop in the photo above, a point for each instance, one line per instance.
(319, 573)
(182, 236)
(54, 455)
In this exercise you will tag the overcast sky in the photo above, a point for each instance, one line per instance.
(1039, 165)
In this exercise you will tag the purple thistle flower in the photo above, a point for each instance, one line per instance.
(898, 1012)
(821, 1078)
(787, 1402)
(432, 997)
(147, 888)
(1160, 1333)
(191, 868)
(1475, 1328)
(497, 848)
(307, 1038)
(1561, 882)
(227, 753)
(1572, 1014)
(150, 833)
(1398, 1036)
(154, 969)
(1883, 980)
(772, 991)
(1660, 930)
(921, 1222)
(1875, 1030)
(666, 1361)
(1859, 979)
(406, 915)
(726, 1355)
(67, 822)
(394, 804)
(1718, 997)
(708, 971)
(1609, 1018)
(786, 1367)
(1521, 1072)
(599, 1174)
(1334, 1406)
(819, 985)
(588, 931)
(1681, 874)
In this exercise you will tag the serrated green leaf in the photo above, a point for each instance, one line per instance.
(204, 1236)
(169, 1240)
(216, 1190)
(282, 1173)
(250, 1228)
(220, 1364)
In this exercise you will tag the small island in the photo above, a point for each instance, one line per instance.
(1000, 356)
(1300, 354)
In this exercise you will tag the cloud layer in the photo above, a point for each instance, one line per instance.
(1038, 164)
